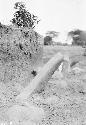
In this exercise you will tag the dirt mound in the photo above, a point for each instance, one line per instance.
(20, 54)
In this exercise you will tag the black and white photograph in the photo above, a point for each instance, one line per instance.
(42, 62)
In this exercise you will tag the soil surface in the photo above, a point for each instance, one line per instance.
(63, 98)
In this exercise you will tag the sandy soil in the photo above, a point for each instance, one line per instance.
(63, 99)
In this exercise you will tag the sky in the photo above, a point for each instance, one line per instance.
(56, 15)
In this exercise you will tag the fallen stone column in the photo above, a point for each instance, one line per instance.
(43, 76)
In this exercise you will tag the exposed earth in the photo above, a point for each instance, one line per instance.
(60, 101)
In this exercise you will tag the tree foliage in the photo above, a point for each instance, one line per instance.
(52, 34)
(47, 40)
(78, 37)
(23, 18)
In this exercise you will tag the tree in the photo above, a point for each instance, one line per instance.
(23, 18)
(52, 34)
(74, 33)
(47, 40)
(78, 37)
